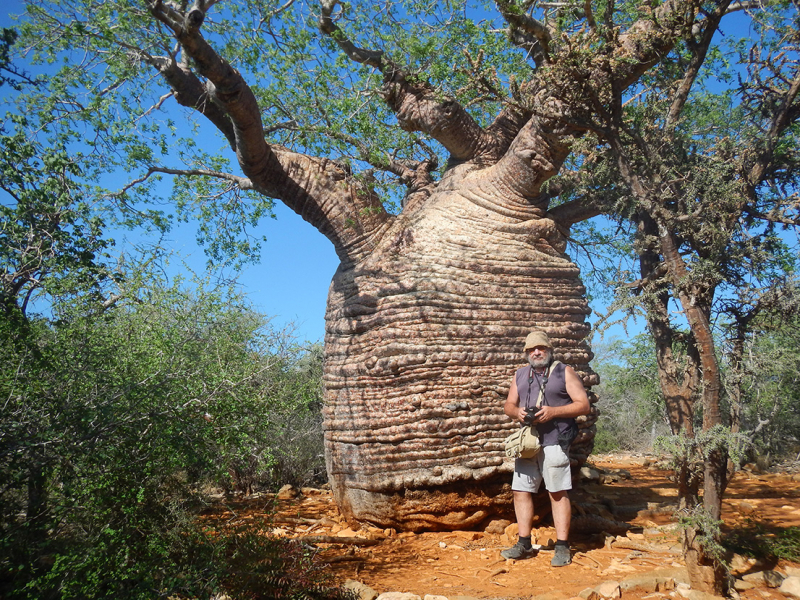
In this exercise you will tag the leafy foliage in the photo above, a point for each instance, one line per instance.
(113, 422)
(51, 240)
(317, 102)
(763, 390)
(633, 412)
(758, 541)
(125, 397)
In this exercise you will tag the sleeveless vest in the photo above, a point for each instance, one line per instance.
(555, 394)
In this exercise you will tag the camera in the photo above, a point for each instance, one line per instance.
(530, 418)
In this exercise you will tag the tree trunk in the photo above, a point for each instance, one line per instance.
(422, 339)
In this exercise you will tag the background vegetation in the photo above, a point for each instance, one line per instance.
(633, 414)
(116, 423)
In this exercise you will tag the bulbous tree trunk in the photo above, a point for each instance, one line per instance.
(423, 337)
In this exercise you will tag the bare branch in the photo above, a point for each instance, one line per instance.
(158, 105)
(572, 212)
(243, 183)
(353, 52)
(531, 27)
(699, 52)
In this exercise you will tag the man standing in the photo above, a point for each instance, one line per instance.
(549, 396)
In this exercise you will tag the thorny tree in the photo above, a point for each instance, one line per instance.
(705, 182)
(329, 108)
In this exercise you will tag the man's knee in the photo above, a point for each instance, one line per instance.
(522, 497)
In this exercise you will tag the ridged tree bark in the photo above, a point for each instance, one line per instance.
(429, 308)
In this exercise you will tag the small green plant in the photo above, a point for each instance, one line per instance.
(699, 523)
(758, 541)
(255, 565)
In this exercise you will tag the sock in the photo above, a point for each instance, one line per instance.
(525, 541)
(562, 543)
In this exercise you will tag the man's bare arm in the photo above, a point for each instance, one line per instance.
(577, 393)
(512, 407)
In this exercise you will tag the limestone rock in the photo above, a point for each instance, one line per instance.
(589, 594)
(745, 508)
(700, 595)
(741, 564)
(497, 526)
(548, 596)
(773, 579)
(769, 578)
(398, 596)
(609, 589)
(288, 492)
(790, 587)
(362, 591)
(589, 473)
(434, 597)
(647, 582)
(679, 574)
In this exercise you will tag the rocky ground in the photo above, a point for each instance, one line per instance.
(628, 545)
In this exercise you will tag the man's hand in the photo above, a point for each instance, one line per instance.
(545, 414)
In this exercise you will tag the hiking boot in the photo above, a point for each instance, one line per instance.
(561, 556)
(518, 552)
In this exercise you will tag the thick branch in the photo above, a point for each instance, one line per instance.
(536, 155)
(318, 190)
(227, 87)
(572, 212)
(417, 106)
(191, 93)
(508, 123)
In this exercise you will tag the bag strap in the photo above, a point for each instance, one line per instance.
(544, 382)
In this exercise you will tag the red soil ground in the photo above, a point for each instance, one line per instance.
(468, 563)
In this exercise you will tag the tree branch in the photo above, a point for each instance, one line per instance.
(417, 106)
(530, 28)
(786, 112)
(650, 38)
(190, 92)
(699, 51)
(572, 212)
(320, 191)
(243, 183)
(328, 27)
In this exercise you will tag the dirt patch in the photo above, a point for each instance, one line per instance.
(626, 521)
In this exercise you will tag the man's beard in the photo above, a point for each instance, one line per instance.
(541, 362)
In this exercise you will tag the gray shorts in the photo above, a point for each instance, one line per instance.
(550, 465)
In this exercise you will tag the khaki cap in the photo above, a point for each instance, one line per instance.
(537, 338)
